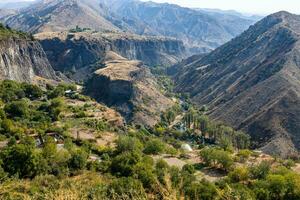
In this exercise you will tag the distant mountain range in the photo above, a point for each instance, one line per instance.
(200, 30)
(253, 83)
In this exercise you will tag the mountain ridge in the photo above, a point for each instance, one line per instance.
(247, 79)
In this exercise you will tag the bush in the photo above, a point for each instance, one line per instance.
(130, 144)
(202, 190)
(32, 91)
(17, 109)
(217, 158)
(261, 170)
(154, 146)
(123, 164)
(239, 174)
(243, 155)
(126, 188)
(78, 159)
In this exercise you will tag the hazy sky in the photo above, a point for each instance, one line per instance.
(248, 6)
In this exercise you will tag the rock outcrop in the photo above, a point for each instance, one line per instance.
(130, 88)
(80, 54)
(22, 59)
(253, 83)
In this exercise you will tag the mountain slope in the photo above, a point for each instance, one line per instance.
(201, 31)
(252, 82)
(61, 15)
(23, 59)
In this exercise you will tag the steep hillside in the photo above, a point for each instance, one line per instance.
(129, 87)
(60, 15)
(200, 30)
(252, 83)
(82, 53)
(22, 59)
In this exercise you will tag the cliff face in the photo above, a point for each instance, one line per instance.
(252, 83)
(80, 54)
(130, 88)
(24, 60)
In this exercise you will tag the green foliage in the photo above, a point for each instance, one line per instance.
(261, 170)
(127, 143)
(97, 124)
(17, 109)
(239, 174)
(23, 160)
(217, 158)
(243, 155)
(203, 190)
(124, 164)
(126, 188)
(154, 146)
(78, 159)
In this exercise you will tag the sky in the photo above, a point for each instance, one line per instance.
(262, 7)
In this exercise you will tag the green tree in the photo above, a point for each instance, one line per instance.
(17, 109)
(154, 146)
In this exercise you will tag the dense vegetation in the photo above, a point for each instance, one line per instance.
(34, 122)
(6, 32)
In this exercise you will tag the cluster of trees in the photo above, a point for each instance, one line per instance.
(217, 158)
(24, 160)
(218, 133)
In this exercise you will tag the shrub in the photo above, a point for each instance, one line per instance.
(17, 109)
(78, 159)
(202, 190)
(126, 143)
(123, 164)
(239, 174)
(244, 155)
(154, 146)
(126, 188)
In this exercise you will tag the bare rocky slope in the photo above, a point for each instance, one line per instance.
(22, 59)
(60, 15)
(80, 54)
(130, 88)
(253, 83)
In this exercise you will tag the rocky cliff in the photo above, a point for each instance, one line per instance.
(129, 87)
(22, 59)
(80, 54)
(252, 83)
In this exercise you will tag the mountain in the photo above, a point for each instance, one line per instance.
(130, 88)
(23, 59)
(61, 15)
(200, 30)
(252, 83)
(82, 53)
